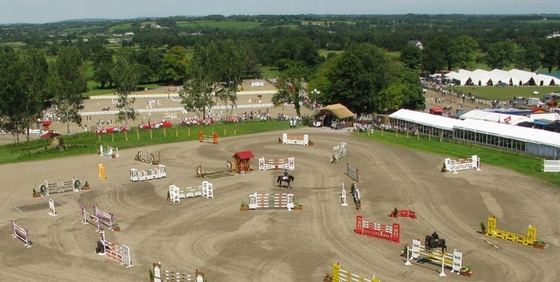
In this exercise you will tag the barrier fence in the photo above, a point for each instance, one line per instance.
(462, 164)
(271, 201)
(391, 233)
(289, 163)
(340, 275)
(353, 173)
(173, 276)
(551, 165)
(528, 239)
(21, 233)
(452, 260)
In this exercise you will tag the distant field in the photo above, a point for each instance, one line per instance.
(270, 72)
(121, 27)
(12, 44)
(507, 93)
(220, 24)
(542, 21)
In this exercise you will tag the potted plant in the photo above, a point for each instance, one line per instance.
(359, 204)
(280, 140)
(116, 227)
(466, 270)
(168, 196)
(151, 276)
(244, 206)
(395, 213)
(113, 156)
(327, 278)
(539, 244)
(86, 186)
(405, 251)
(310, 143)
(35, 194)
(333, 160)
(443, 168)
(482, 228)
(298, 206)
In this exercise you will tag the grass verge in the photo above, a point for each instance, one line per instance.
(527, 165)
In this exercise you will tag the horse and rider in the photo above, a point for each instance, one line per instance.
(433, 241)
(286, 177)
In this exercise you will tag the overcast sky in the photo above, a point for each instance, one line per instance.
(45, 11)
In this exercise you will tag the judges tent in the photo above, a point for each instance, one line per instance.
(334, 112)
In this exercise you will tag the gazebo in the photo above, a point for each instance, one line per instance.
(242, 161)
(333, 113)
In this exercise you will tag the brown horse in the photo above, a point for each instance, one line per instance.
(288, 181)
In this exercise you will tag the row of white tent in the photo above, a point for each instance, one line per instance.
(512, 77)
(501, 129)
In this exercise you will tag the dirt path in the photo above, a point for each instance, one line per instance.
(215, 237)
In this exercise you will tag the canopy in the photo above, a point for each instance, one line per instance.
(337, 110)
(244, 155)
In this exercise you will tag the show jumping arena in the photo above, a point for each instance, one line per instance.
(214, 236)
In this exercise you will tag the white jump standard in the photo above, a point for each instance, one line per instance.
(452, 260)
(21, 233)
(206, 190)
(295, 139)
(148, 174)
(60, 187)
(109, 152)
(462, 164)
(289, 163)
(52, 208)
(271, 201)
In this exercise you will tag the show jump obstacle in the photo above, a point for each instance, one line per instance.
(99, 217)
(206, 190)
(551, 165)
(148, 174)
(21, 233)
(339, 152)
(403, 213)
(52, 208)
(148, 157)
(295, 139)
(289, 163)
(271, 201)
(526, 240)
(60, 187)
(118, 253)
(353, 173)
(108, 152)
(166, 275)
(462, 164)
(200, 173)
(391, 233)
(343, 197)
(452, 260)
(338, 274)
(208, 138)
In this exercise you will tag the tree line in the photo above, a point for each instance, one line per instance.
(364, 76)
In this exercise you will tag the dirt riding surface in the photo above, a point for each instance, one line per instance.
(214, 236)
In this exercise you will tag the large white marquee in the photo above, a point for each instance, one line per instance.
(512, 77)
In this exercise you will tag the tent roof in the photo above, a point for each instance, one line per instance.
(338, 110)
(524, 134)
(425, 119)
(494, 117)
(244, 155)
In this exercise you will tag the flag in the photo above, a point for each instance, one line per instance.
(508, 119)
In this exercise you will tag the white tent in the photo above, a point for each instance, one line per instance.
(512, 77)
(494, 117)
(425, 119)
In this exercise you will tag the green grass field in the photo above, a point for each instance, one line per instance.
(270, 72)
(219, 24)
(523, 164)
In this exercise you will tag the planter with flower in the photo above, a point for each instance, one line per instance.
(539, 244)
(334, 160)
(466, 270)
(116, 227)
(244, 206)
(280, 140)
(328, 278)
(86, 186)
(168, 196)
(35, 194)
(310, 143)
(406, 250)
(359, 204)
(298, 206)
